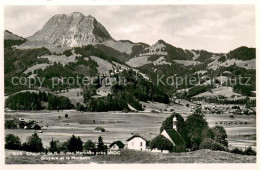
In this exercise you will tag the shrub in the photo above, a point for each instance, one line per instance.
(10, 124)
(236, 151)
(89, 145)
(67, 53)
(212, 144)
(75, 144)
(249, 151)
(54, 146)
(12, 142)
(162, 143)
(33, 144)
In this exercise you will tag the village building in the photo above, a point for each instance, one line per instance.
(139, 142)
(179, 145)
(116, 146)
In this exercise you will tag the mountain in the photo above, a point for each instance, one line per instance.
(72, 30)
(166, 49)
(11, 36)
(49, 53)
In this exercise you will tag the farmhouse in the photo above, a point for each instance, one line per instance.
(139, 142)
(116, 145)
(179, 145)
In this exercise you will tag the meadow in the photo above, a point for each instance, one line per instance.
(121, 126)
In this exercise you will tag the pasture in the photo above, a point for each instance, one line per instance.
(120, 126)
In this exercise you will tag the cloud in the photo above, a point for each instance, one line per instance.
(217, 28)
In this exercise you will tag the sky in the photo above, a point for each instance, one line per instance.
(215, 28)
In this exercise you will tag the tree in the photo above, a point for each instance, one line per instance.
(66, 115)
(75, 144)
(89, 145)
(54, 146)
(220, 135)
(12, 142)
(237, 151)
(208, 133)
(101, 145)
(180, 125)
(162, 143)
(195, 124)
(249, 151)
(209, 143)
(33, 144)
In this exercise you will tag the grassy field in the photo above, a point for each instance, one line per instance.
(131, 156)
(119, 126)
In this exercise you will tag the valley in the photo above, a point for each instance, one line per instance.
(127, 88)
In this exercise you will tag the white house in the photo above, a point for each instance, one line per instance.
(139, 142)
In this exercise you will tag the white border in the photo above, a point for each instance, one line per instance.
(186, 166)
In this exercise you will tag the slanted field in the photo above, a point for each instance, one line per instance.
(62, 59)
(74, 95)
(248, 64)
(36, 67)
(220, 91)
(187, 62)
(138, 61)
(124, 47)
(103, 65)
(104, 90)
(161, 61)
(40, 44)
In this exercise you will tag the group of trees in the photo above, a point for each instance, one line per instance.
(10, 43)
(33, 101)
(111, 102)
(33, 143)
(17, 61)
(242, 53)
(196, 132)
(140, 88)
(14, 124)
(247, 151)
(73, 144)
(134, 89)
(161, 143)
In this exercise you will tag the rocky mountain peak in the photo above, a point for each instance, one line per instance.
(72, 30)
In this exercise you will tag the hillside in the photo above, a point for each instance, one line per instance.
(11, 36)
(71, 45)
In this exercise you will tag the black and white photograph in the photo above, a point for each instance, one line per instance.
(129, 84)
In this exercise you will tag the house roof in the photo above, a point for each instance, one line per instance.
(175, 137)
(145, 137)
(118, 143)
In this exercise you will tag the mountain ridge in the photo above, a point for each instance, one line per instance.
(71, 30)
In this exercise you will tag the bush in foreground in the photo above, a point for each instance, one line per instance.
(33, 144)
(12, 142)
(209, 143)
(162, 143)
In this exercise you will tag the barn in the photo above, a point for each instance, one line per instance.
(116, 145)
